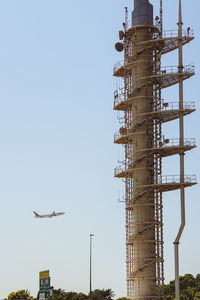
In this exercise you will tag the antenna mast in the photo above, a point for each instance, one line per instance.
(126, 18)
(161, 17)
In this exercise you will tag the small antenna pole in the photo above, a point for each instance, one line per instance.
(125, 29)
(161, 17)
(126, 18)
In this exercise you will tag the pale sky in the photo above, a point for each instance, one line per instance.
(57, 151)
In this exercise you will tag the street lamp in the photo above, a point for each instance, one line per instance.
(91, 235)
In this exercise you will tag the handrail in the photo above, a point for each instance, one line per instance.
(155, 24)
(173, 142)
(165, 179)
(164, 70)
(170, 33)
(119, 98)
(118, 65)
(118, 170)
(175, 105)
(174, 33)
(175, 69)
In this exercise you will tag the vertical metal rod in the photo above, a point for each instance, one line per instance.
(161, 17)
(126, 19)
(91, 235)
(181, 129)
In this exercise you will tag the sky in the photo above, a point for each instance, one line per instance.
(57, 152)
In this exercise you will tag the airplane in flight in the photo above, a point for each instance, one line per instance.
(54, 214)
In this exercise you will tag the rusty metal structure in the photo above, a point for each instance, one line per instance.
(138, 99)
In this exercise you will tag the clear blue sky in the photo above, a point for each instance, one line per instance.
(57, 152)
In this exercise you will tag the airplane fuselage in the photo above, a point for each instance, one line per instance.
(54, 214)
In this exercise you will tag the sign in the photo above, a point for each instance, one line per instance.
(47, 294)
(44, 285)
(44, 274)
(44, 281)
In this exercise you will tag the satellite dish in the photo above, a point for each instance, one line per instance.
(123, 130)
(165, 104)
(166, 141)
(119, 47)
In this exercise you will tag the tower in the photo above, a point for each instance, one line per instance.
(144, 112)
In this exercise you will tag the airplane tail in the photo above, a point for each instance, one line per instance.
(36, 214)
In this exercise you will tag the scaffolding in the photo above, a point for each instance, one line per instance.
(144, 111)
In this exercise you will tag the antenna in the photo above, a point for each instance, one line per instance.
(161, 17)
(126, 18)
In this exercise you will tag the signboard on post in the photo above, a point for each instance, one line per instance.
(44, 274)
(44, 285)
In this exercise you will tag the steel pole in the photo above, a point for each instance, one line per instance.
(161, 17)
(91, 235)
(181, 133)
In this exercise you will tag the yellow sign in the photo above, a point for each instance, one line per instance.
(44, 274)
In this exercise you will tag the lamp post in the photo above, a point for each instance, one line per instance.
(91, 235)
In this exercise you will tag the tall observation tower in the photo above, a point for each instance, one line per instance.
(144, 111)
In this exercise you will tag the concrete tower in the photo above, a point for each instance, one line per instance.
(139, 98)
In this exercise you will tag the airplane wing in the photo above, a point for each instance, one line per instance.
(52, 215)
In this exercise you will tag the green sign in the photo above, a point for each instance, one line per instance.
(47, 294)
(45, 282)
(44, 288)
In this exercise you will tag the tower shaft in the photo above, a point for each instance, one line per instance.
(141, 239)
(144, 237)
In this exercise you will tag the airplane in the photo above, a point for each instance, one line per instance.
(54, 214)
